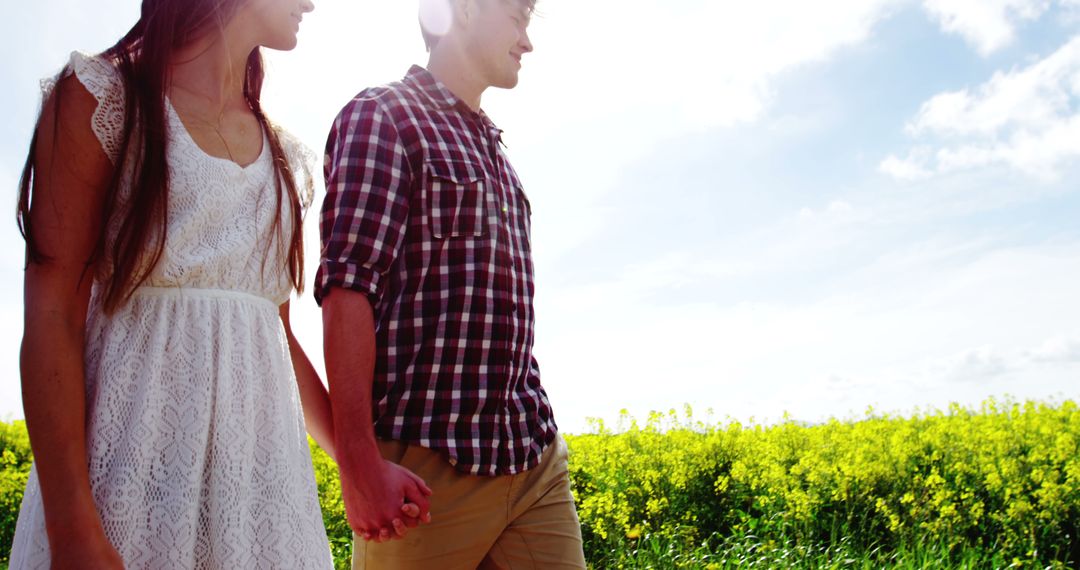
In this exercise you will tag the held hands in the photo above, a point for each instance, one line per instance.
(382, 503)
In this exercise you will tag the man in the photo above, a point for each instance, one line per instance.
(426, 287)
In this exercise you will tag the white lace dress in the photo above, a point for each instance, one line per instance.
(198, 455)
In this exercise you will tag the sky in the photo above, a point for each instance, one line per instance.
(754, 208)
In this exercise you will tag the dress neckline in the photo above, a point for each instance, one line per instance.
(227, 161)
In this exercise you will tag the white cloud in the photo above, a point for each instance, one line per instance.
(988, 25)
(1027, 119)
(697, 63)
(910, 168)
(987, 364)
(1032, 98)
(977, 365)
(948, 318)
(613, 83)
(1070, 13)
(1059, 350)
(837, 210)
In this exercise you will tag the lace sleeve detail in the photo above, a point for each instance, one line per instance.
(103, 81)
(301, 160)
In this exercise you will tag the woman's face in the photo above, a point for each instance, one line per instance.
(273, 23)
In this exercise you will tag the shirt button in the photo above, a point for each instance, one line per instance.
(453, 461)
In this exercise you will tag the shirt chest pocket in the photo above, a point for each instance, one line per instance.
(456, 195)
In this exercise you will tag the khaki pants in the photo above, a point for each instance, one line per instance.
(513, 522)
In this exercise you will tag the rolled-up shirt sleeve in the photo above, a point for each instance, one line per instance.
(365, 213)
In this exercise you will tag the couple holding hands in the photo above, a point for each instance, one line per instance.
(168, 401)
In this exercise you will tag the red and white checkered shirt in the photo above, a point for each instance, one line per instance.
(425, 215)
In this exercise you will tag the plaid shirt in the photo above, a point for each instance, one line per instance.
(425, 215)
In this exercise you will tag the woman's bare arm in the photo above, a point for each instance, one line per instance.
(313, 395)
(71, 176)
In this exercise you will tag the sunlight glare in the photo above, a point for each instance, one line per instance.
(435, 16)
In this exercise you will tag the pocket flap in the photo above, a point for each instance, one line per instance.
(456, 196)
(457, 171)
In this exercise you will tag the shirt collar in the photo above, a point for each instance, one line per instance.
(435, 92)
(441, 97)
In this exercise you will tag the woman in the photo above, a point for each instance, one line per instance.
(162, 217)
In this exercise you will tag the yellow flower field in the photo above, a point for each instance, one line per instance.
(1003, 480)
(997, 486)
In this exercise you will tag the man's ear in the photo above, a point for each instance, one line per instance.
(462, 10)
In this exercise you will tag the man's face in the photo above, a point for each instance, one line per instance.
(496, 38)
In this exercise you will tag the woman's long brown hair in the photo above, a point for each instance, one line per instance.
(142, 57)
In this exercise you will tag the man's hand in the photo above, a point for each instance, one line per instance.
(385, 500)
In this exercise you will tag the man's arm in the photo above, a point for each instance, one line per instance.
(377, 493)
(363, 224)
